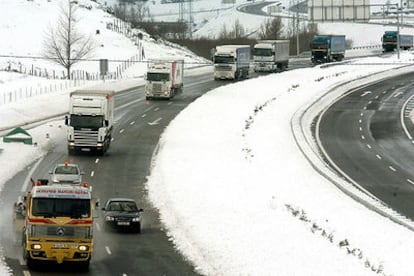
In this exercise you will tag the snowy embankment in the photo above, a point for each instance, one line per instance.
(238, 197)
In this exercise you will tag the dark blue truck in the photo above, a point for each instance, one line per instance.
(390, 42)
(327, 48)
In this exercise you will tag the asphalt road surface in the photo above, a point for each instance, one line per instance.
(368, 134)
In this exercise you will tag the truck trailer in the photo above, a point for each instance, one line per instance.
(231, 62)
(327, 48)
(270, 55)
(164, 78)
(90, 120)
(390, 41)
(58, 224)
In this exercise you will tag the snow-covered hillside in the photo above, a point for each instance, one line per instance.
(253, 212)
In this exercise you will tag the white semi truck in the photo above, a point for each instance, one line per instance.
(164, 78)
(231, 62)
(90, 120)
(270, 55)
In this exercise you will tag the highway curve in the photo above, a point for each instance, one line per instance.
(368, 134)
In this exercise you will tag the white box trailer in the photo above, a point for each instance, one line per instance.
(164, 78)
(270, 55)
(231, 62)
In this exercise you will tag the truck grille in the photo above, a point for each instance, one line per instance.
(156, 88)
(223, 68)
(61, 231)
(86, 138)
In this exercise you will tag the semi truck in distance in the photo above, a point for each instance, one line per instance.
(390, 41)
(270, 55)
(231, 62)
(327, 48)
(58, 224)
(164, 78)
(90, 120)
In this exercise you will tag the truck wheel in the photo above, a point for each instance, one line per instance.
(31, 264)
(84, 266)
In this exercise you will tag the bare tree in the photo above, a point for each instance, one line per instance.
(63, 44)
(271, 29)
(237, 31)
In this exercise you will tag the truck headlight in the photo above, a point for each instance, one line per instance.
(36, 246)
(83, 248)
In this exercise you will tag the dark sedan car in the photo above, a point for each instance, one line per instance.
(122, 214)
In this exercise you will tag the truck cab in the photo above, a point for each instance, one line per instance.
(90, 120)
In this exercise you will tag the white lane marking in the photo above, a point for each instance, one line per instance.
(127, 104)
(26, 272)
(122, 130)
(170, 103)
(112, 138)
(360, 128)
(365, 108)
(98, 227)
(143, 115)
(362, 137)
(369, 146)
(360, 121)
(108, 250)
(362, 114)
(392, 168)
(149, 108)
(131, 123)
(156, 109)
(155, 122)
(96, 160)
(379, 156)
(365, 93)
(92, 173)
(410, 181)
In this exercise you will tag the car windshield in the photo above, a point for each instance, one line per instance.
(66, 170)
(122, 206)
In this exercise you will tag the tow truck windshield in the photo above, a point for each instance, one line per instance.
(61, 207)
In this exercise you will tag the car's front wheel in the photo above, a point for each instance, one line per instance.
(138, 228)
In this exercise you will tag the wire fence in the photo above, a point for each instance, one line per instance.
(57, 80)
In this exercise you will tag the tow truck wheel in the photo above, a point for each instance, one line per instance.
(31, 264)
(84, 266)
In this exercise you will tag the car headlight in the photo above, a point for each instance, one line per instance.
(136, 219)
(109, 218)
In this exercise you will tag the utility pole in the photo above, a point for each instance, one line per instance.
(398, 32)
(297, 29)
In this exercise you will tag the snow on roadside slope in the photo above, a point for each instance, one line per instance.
(239, 198)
